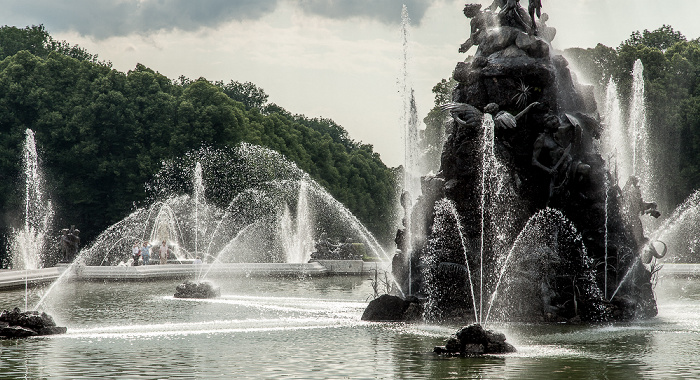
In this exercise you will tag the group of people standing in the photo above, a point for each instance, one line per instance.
(143, 252)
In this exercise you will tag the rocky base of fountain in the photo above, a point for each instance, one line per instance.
(474, 340)
(202, 289)
(392, 308)
(18, 324)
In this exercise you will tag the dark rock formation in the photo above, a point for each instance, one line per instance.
(548, 198)
(18, 324)
(191, 289)
(474, 340)
(392, 308)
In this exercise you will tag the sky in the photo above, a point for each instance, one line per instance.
(337, 59)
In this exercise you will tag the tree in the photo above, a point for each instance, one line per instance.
(103, 134)
(247, 93)
(671, 68)
(433, 137)
(661, 39)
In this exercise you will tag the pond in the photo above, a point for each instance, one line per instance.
(310, 328)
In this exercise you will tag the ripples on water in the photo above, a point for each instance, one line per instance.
(310, 328)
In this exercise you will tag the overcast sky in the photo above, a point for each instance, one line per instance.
(322, 58)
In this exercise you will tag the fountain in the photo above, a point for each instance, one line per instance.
(247, 205)
(519, 221)
(298, 235)
(28, 248)
(562, 252)
(409, 119)
(28, 243)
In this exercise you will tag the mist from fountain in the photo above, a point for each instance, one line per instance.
(443, 265)
(530, 266)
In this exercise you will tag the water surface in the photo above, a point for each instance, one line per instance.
(310, 328)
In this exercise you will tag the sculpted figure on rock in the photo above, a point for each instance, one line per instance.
(480, 22)
(466, 114)
(534, 7)
(554, 156)
(633, 208)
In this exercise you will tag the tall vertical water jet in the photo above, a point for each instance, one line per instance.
(488, 168)
(409, 117)
(616, 145)
(297, 233)
(607, 236)
(411, 165)
(197, 196)
(27, 245)
(641, 153)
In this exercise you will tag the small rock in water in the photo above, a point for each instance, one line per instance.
(18, 324)
(474, 340)
(191, 289)
(392, 308)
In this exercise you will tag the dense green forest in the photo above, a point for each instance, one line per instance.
(672, 89)
(103, 134)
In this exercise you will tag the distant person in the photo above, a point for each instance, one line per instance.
(163, 253)
(136, 254)
(197, 261)
(146, 252)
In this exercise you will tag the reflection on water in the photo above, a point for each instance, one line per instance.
(310, 328)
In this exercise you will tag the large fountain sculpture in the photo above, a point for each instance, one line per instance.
(524, 221)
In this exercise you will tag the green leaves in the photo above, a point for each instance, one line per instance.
(672, 86)
(103, 133)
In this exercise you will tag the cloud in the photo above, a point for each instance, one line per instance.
(105, 18)
(102, 19)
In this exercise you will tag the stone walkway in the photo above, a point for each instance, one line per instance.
(10, 279)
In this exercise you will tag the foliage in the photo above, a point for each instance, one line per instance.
(672, 88)
(247, 93)
(36, 40)
(433, 137)
(103, 134)
(661, 39)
